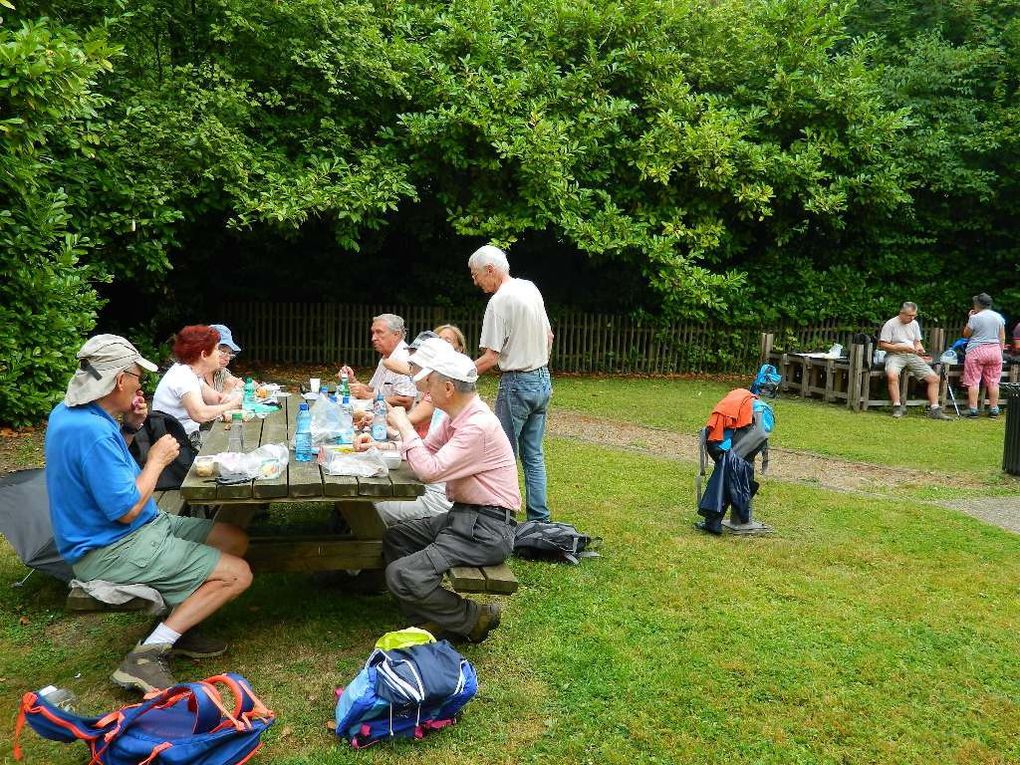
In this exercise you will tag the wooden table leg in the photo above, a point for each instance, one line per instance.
(362, 517)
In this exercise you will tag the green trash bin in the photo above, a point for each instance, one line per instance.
(1011, 448)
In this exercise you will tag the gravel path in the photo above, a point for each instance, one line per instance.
(790, 465)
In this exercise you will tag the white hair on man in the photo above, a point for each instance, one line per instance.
(392, 321)
(908, 306)
(488, 255)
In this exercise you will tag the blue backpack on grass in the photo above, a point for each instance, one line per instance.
(410, 685)
(188, 723)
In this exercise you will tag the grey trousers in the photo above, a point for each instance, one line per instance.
(418, 553)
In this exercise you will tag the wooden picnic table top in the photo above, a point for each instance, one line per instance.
(301, 481)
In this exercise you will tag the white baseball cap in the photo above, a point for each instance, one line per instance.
(437, 355)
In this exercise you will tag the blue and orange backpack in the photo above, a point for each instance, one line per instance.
(188, 723)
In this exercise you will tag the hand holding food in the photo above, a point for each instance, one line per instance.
(165, 450)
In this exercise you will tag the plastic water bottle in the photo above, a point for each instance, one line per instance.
(61, 698)
(235, 442)
(379, 418)
(249, 393)
(346, 422)
(303, 435)
(345, 385)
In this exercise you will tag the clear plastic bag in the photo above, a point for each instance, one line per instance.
(326, 424)
(268, 461)
(370, 464)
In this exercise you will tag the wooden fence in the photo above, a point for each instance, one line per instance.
(331, 333)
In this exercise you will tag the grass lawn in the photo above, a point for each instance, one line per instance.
(958, 446)
(862, 631)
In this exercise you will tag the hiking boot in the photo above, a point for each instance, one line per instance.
(993, 412)
(970, 413)
(439, 633)
(899, 410)
(146, 668)
(488, 620)
(936, 413)
(194, 645)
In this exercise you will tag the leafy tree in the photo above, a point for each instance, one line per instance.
(47, 301)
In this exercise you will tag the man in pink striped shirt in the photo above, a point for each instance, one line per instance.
(470, 452)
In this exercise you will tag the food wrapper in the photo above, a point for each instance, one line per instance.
(268, 461)
(370, 464)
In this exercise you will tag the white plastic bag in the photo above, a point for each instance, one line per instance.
(370, 464)
(268, 461)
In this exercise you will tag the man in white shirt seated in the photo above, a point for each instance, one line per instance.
(901, 340)
(388, 340)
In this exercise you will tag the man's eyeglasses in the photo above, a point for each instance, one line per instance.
(136, 375)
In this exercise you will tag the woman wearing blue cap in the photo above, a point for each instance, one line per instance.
(221, 381)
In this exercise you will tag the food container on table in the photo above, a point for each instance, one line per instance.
(205, 467)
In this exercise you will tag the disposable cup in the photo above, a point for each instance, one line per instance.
(313, 384)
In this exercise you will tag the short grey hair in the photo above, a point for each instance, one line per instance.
(458, 385)
(394, 322)
(908, 306)
(489, 256)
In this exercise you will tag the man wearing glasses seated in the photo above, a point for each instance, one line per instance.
(901, 340)
(471, 453)
(107, 526)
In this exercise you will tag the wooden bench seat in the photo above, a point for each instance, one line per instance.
(494, 580)
(80, 601)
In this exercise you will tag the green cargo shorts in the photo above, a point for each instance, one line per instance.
(166, 554)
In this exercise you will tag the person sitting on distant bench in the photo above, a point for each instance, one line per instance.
(901, 340)
(107, 526)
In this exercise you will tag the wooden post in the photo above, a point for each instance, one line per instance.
(767, 339)
(853, 394)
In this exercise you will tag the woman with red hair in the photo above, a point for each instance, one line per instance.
(179, 393)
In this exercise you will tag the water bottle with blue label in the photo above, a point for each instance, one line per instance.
(379, 418)
(303, 435)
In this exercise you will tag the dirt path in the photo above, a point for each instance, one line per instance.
(790, 465)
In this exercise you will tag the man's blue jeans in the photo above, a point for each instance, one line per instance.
(521, 405)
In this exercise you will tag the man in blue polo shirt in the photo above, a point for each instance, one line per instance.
(108, 527)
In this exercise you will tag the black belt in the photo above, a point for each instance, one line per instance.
(489, 511)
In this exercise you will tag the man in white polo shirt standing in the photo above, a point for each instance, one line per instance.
(517, 336)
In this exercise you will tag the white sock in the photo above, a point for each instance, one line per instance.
(162, 634)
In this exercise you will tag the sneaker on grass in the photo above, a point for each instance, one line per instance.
(936, 413)
(146, 668)
(899, 410)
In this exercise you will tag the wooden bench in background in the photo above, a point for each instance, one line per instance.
(79, 601)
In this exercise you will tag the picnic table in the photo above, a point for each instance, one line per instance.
(302, 482)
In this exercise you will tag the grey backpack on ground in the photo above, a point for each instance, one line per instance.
(546, 540)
